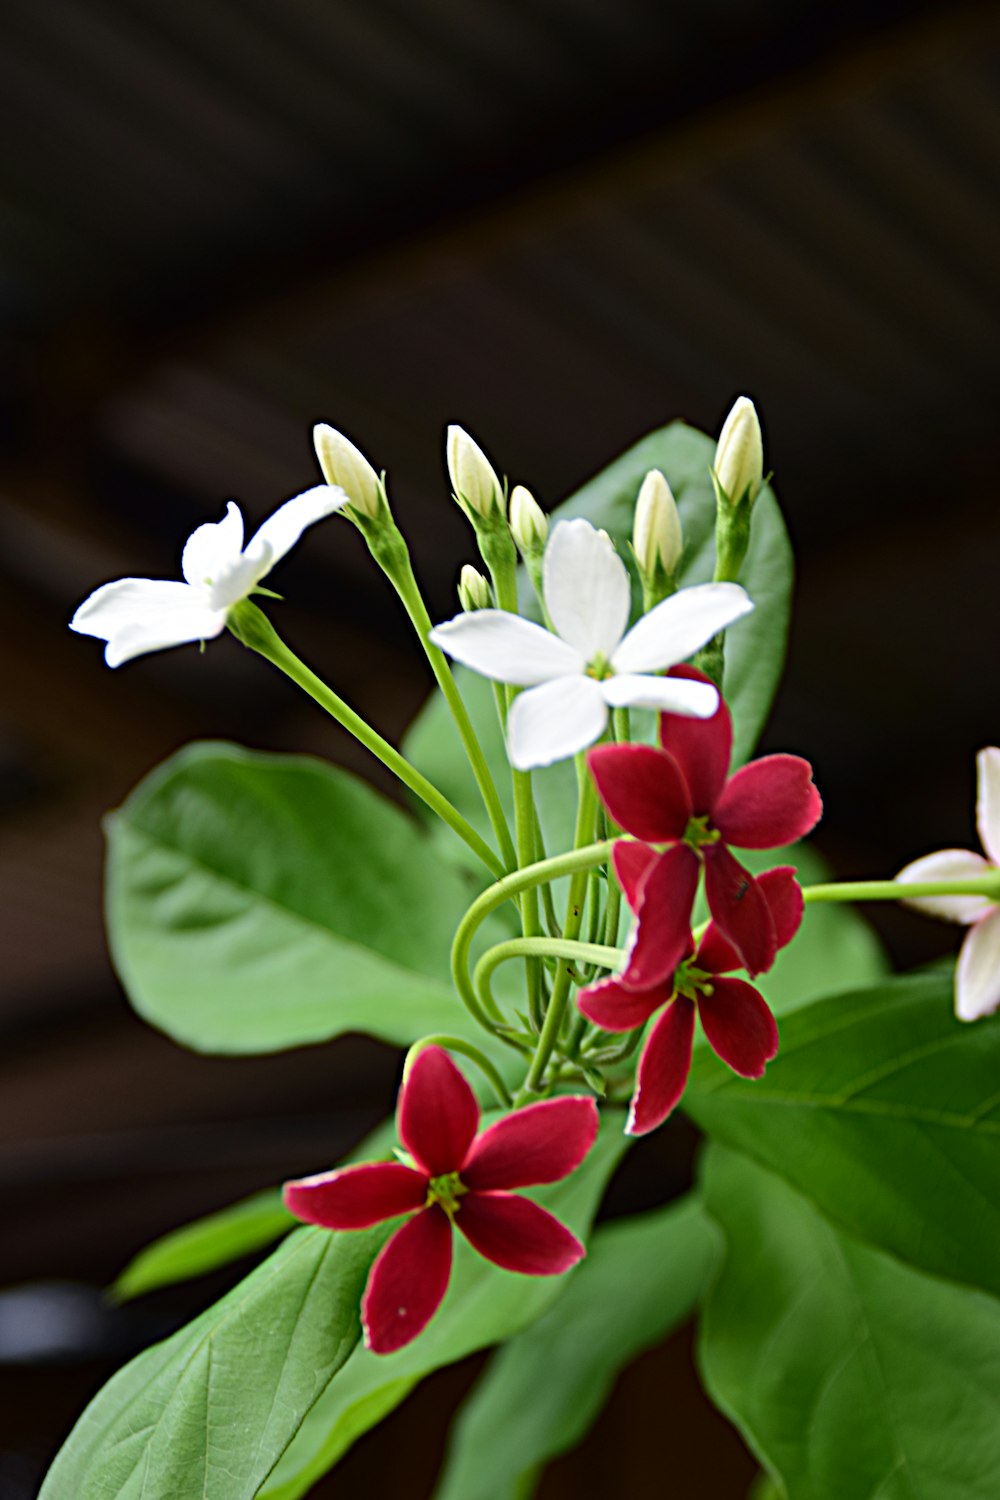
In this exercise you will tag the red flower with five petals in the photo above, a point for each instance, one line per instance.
(735, 1017)
(682, 796)
(460, 1178)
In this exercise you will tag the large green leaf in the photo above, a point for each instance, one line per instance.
(885, 1110)
(542, 1391)
(210, 1411)
(256, 902)
(483, 1306)
(851, 1375)
(755, 646)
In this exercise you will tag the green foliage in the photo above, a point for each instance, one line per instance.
(206, 1244)
(542, 1391)
(849, 1374)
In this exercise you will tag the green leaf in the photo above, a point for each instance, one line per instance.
(885, 1110)
(256, 902)
(755, 646)
(848, 1373)
(206, 1244)
(543, 1390)
(210, 1411)
(483, 1306)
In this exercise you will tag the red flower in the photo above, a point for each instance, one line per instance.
(735, 1016)
(458, 1178)
(680, 796)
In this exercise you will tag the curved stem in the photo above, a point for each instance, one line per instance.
(902, 890)
(541, 947)
(467, 1049)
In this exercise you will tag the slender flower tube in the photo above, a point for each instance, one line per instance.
(460, 1179)
(590, 662)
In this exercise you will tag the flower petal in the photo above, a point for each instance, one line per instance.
(643, 789)
(949, 864)
(356, 1197)
(663, 1068)
(540, 1143)
(663, 934)
(784, 897)
(407, 1281)
(770, 802)
(586, 587)
(696, 700)
(678, 626)
(210, 549)
(506, 648)
(136, 615)
(517, 1235)
(739, 1026)
(437, 1116)
(612, 1007)
(282, 530)
(554, 720)
(633, 862)
(988, 800)
(702, 747)
(977, 977)
(740, 909)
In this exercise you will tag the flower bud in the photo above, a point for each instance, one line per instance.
(345, 465)
(739, 456)
(657, 540)
(529, 524)
(473, 477)
(473, 590)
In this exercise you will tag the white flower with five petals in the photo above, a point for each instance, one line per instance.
(590, 662)
(977, 974)
(136, 615)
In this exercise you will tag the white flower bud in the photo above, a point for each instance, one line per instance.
(473, 589)
(739, 455)
(529, 524)
(345, 465)
(657, 539)
(473, 477)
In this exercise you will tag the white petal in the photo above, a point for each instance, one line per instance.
(949, 864)
(554, 721)
(210, 550)
(281, 531)
(988, 801)
(677, 627)
(136, 615)
(977, 977)
(507, 648)
(586, 587)
(673, 695)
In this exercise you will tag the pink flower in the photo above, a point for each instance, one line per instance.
(734, 1015)
(459, 1178)
(682, 796)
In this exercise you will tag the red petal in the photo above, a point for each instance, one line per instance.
(632, 862)
(783, 895)
(701, 747)
(407, 1282)
(663, 1068)
(517, 1235)
(768, 803)
(614, 1008)
(540, 1143)
(643, 790)
(663, 934)
(437, 1117)
(739, 1026)
(356, 1197)
(740, 909)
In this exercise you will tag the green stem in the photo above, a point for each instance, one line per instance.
(902, 890)
(540, 947)
(467, 1049)
(254, 630)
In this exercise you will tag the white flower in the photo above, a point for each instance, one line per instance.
(657, 539)
(977, 975)
(473, 478)
(529, 525)
(136, 615)
(345, 466)
(589, 664)
(739, 454)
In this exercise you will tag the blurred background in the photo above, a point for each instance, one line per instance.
(560, 223)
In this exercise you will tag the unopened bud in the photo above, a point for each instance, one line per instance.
(473, 477)
(738, 469)
(529, 524)
(657, 540)
(344, 464)
(473, 590)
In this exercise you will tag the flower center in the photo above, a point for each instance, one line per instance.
(691, 982)
(698, 833)
(447, 1191)
(599, 668)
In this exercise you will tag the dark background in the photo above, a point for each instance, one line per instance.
(561, 223)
